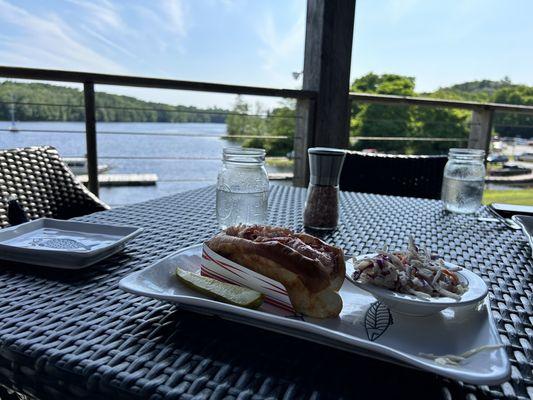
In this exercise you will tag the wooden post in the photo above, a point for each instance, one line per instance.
(327, 60)
(305, 114)
(90, 137)
(481, 129)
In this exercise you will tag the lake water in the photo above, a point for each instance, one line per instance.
(174, 175)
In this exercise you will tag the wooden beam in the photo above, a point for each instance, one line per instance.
(122, 80)
(158, 83)
(431, 102)
(327, 60)
(481, 130)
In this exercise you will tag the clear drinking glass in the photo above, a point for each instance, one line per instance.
(464, 178)
(242, 188)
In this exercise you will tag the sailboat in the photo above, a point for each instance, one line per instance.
(13, 126)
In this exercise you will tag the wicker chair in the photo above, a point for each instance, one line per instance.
(43, 184)
(399, 175)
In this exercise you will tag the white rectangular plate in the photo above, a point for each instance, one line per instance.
(63, 244)
(526, 222)
(364, 326)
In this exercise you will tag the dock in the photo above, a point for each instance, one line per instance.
(280, 176)
(511, 180)
(113, 180)
(116, 180)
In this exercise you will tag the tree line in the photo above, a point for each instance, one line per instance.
(248, 120)
(35, 103)
(378, 120)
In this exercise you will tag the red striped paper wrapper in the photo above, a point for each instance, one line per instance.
(217, 267)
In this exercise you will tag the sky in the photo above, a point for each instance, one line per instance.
(261, 42)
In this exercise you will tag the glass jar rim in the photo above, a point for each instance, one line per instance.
(466, 152)
(243, 155)
(243, 151)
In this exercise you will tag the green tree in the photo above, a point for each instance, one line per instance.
(280, 122)
(236, 121)
(438, 123)
(40, 99)
(254, 121)
(378, 120)
(514, 124)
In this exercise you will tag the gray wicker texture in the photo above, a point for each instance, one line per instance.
(393, 174)
(43, 185)
(75, 334)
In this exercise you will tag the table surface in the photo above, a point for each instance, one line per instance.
(76, 334)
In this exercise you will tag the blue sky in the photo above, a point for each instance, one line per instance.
(261, 42)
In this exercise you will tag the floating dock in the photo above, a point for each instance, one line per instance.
(115, 180)
(511, 180)
(280, 176)
(111, 180)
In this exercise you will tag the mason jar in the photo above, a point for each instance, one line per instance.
(242, 188)
(463, 181)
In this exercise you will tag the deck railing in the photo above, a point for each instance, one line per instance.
(90, 79)
(480, 126)
(482, 113)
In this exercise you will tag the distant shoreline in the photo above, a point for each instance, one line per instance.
(40, 102)
(110, 122)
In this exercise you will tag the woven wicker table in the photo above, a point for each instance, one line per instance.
(76, 334)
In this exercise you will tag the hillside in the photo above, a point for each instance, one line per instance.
(375, 120)
(370, 122)
(482, 91)
(110, 107)
(505, 92)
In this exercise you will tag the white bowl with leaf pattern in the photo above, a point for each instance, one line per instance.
(417, 306)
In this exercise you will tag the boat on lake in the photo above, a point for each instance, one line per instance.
(78, 165)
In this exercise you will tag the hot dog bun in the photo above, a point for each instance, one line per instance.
(311, 270)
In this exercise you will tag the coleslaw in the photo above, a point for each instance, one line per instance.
(415, 271)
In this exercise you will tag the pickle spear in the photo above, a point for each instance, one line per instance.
(226, 292)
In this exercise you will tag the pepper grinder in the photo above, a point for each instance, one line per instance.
(322, 204)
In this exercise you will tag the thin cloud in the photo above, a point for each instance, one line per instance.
(173, 10)
(102, 13)
(102, 20)
(279, 46)
(169, 17)
(108, 42)
(53, 40)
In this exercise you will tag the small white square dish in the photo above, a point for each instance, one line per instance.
(63, 244)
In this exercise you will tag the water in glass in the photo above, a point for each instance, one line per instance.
(242, 188)
(463, 181)
(462, 195)
(241, 208)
